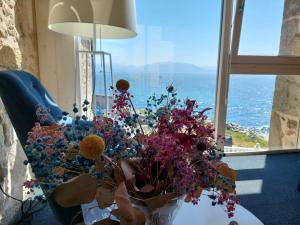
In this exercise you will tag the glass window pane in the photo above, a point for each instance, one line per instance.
(261, 27)
(176, 44)
(263, 113)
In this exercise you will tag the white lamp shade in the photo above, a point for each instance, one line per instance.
(114, 19)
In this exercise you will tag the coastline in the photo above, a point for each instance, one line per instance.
(239, 136)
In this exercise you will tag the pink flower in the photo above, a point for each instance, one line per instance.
(121, 103)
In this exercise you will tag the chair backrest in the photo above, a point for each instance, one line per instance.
(22, 94)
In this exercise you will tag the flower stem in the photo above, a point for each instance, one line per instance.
(136, 114)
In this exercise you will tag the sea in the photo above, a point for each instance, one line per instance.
(250, 97)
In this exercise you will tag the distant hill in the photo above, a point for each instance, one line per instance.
(165, 67)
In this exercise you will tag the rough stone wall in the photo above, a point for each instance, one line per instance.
(11, 160)
(18, 35)
(284, 129)
(18, 50)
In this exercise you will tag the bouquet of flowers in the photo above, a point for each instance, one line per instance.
(163, 152)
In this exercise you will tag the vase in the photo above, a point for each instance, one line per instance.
(164, 215)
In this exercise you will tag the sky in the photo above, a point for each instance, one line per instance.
(187, 31)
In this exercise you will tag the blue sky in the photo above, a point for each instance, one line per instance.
(188, 31)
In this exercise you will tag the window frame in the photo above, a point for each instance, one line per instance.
(230, 62)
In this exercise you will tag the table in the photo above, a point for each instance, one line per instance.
(202, 214)
(206, 214)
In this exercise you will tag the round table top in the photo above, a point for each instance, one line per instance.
(202, 214)
(206, 214)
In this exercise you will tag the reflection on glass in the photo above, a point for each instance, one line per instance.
(177, 44)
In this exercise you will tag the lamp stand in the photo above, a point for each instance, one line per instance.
(102, 101)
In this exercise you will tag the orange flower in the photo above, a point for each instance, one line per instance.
(229, 174)
(50, 130)
(140, 138)
(92, 147)
(58, 171)
(197, 194)
(122, 85)
(71, 153)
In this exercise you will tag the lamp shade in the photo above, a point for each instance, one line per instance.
(114, 19)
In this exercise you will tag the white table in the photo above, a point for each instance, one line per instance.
(206, 214)
(202, 214)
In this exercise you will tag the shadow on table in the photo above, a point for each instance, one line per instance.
(267, 186)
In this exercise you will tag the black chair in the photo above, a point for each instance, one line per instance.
(22, 94)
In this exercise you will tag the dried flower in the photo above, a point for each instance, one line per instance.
(175, 155)
(92, 147)
(227, 177)
(122, 85)
(170, 88)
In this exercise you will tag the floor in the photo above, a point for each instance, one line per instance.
(266, 185)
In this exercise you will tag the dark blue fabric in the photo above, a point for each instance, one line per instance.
(22, 94)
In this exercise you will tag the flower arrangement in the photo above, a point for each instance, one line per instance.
(165, 151)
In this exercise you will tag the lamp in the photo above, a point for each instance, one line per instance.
(104, 19)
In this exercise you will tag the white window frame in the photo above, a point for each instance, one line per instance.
(230, 62)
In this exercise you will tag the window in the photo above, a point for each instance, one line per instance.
(261, 27)
(239, 71)
(262, 109)
(254, 118)
(176, 44)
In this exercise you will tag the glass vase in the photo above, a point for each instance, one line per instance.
(161, 216)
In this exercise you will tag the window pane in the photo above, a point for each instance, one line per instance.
(261, 27)
(260, 114)
(176, 44)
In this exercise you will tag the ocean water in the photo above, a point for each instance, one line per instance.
(249, 101)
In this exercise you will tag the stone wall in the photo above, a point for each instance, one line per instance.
(18, 35)
(18, 50)
(284, 131)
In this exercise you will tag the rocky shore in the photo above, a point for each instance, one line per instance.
(246, 137)
(262, 131)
